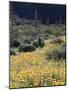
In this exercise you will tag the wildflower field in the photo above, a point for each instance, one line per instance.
(33, 69)
(37, 45)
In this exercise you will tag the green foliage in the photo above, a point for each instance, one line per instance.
(29, 29)
(12, 51)
(14, 43)
(57, 53)
(35, 43)
(26, 48)
(27, 41)
(56, 30)
(41, 42)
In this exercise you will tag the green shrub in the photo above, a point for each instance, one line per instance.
(26, 48)
(14, 43)
(41, 42)
(56, 53)
(35, 43)
(12, 51)
(27, 41)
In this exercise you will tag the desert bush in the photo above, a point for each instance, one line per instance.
(12, 51)
(26, 48)
(57, 40)
(21, 46)
(35, 43)
(56, 53)
(27, 41)
(46, 35)
(14, 43)
(63, 44)
(41, 42)
(62, 51)
(56, 30)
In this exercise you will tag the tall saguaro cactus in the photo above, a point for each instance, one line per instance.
(60, 20)
(48, 21)
(36, 15)
(36, 20)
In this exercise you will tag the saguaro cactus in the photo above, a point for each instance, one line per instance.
(36, 20)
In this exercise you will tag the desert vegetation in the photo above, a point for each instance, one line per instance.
(38, 62)
(37, 53)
